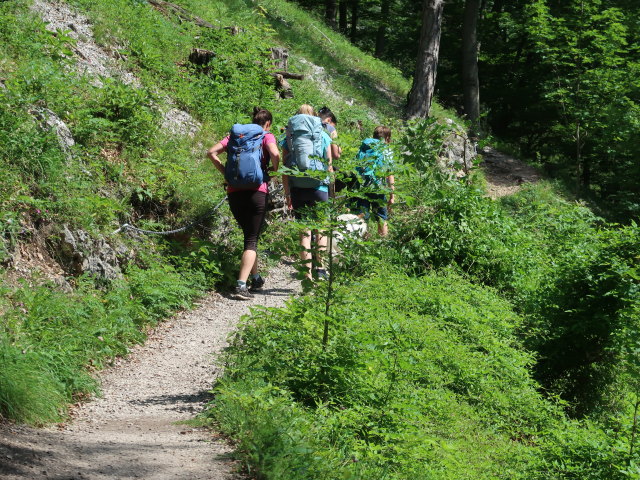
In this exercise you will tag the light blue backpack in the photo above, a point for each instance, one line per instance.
(304, 142)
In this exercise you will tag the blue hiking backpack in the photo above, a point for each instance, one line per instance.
(304, 142)
(371, 159)
(244, 157)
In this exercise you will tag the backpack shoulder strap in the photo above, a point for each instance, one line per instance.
(290, 145)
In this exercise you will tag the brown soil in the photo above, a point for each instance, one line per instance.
(505, 174)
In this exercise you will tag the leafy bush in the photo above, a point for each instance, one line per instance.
(588, 321)
(117, 113)
(413, 370)
(583, 450)
(575, 284)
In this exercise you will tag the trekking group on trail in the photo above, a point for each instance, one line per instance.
(307, 146)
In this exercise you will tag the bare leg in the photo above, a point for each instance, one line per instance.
(321, 240)
(383, 228)
(305, 254)
(247, 264)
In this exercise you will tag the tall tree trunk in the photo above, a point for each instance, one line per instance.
(355, 4)
(381, 37)
(330, 12)
(342, 14)
(470, 47)
(424, 78)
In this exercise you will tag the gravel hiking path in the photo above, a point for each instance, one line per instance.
(131, 431)
(505, 174)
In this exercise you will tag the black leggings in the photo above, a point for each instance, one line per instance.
(249, 208)
(303, 199)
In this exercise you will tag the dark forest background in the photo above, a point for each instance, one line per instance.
(559, 80)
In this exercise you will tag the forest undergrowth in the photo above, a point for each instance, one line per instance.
(482, 339)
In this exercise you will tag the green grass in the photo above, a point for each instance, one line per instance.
(50, 342)
(29, 392)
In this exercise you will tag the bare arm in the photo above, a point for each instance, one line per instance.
(274, 154)
(391, 181)
(213, 153)
(336, 151)
(285, 183)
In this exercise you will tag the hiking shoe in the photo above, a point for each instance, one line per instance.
(256, 284)
(241, 293)
(322, 274)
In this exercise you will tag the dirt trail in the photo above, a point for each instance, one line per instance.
(131, 432)
(505, 174)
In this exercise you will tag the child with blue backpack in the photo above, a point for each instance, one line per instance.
(376, 178)
(250, 148)
(306, 147)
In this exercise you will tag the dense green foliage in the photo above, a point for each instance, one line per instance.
(419, 376)
(481, 339)
(571, 278)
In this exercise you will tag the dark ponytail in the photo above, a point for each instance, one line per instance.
(261, 116)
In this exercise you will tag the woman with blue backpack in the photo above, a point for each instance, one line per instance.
(250, 148)
(375, 164)
(306, 147)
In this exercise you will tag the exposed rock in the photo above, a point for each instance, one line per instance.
(179, 123)
(79, 253)
(30, 258)
(458, 153)
(91, 59)
(50, 121)
(280, 57)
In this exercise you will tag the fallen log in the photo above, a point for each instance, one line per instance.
(290, 75)
(163, 6)
(183, 14)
